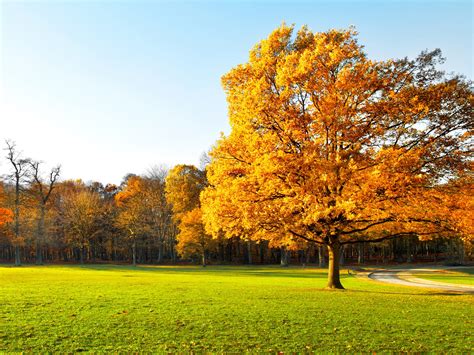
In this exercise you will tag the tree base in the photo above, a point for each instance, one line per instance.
(333, 287)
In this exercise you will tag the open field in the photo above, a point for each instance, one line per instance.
(103, 308)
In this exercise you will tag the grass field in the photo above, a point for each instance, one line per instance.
(104, 308)
(463, 276)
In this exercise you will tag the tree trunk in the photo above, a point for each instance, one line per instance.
(203, 258)
(334, 281)
(322, 262)
(308, 251)
(249, 251)
(173, 253)
(17, 256)
(360, 253)
(160, 252)
(284, 257)
(461, 252)
(114, 250)
(81, 255)
(134, 253)
(40, 236)
(17, 221)
(341, 255)
(409, 250)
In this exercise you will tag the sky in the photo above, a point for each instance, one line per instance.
(106, 88)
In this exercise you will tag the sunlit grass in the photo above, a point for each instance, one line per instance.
(117, 308)
(463, 276)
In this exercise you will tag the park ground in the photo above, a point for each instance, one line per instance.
(225, 308)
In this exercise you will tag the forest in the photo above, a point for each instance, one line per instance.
(141, 221)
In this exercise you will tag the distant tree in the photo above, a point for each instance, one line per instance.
(131, 211)
(192, 238)
(204, 160)
(163, 218)
(18, 176)
(109, 235)
(333, 148)
(42, 190)
(157, 172)
(183, 188)
(144, 212)
(184, 184)
(80, 211)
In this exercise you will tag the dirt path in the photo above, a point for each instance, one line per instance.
(405, 277)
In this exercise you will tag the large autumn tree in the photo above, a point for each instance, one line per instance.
(334, 148)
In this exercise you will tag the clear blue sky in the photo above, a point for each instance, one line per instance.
(111, 87)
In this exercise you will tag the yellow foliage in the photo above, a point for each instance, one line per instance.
(184, 184)
(192, 238)
(331, 147)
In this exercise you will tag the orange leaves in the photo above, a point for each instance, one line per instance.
(142, 206)
(326, 142)
(133, 188)
(6, 216)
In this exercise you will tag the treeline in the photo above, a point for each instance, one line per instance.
(151, 219)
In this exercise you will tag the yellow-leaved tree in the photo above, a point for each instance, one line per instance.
(184, 185)
(80, 209)
(333, 148)
(143, 212)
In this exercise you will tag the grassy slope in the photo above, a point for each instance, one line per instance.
(222, 309)
(463, 276)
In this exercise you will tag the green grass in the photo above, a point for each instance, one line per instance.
(168, 309)
(464, 276)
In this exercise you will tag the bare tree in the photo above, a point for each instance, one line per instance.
(204, 160)
(21, 170)
(42, 190)
(158, 172)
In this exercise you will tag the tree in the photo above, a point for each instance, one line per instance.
(42, 191)
(80, 215)
(183, 188)
(184, 184)
(161, 213)
(132, 213)
(19, 175)
(192, 238)
(333, 148)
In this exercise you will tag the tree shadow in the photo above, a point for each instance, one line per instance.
(423, 294)
(231, 271)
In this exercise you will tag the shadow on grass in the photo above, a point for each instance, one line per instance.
(236, 271)
(434, 293)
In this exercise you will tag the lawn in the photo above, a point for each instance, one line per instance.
(167, 309)
(461, 276)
